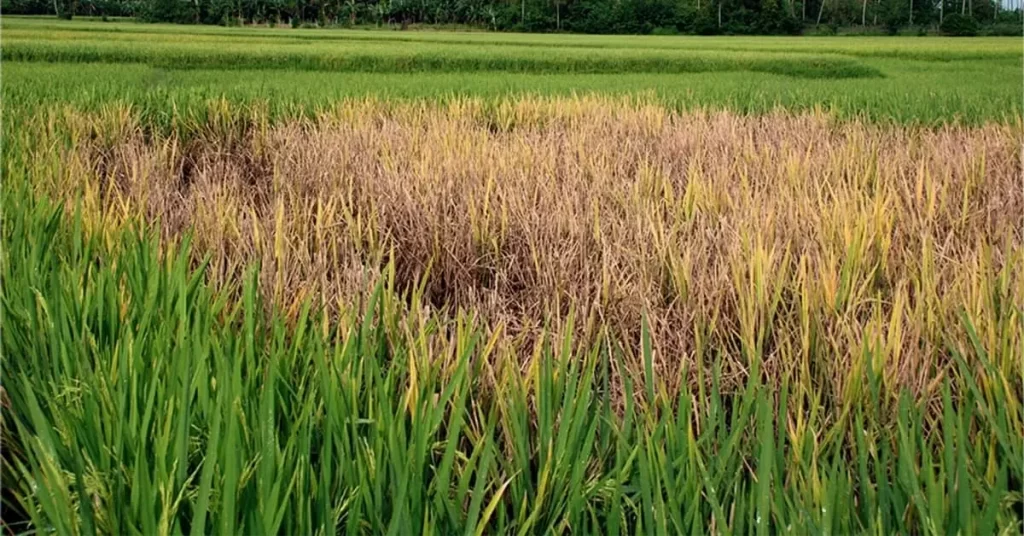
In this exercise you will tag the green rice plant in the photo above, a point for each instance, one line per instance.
(421, 57)
(929, 81)
(933, 49)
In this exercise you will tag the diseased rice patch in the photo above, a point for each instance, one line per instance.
(789, 239)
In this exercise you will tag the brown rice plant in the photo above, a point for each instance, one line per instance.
(793, 242)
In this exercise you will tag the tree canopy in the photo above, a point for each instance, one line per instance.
(585, 16)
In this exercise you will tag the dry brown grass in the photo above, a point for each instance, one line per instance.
(790, 239)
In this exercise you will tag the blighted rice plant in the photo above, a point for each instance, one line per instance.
(790, 240)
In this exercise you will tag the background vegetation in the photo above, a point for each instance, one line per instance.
(587, 16)
(152, 67)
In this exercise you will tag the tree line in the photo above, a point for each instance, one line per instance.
(958, 17)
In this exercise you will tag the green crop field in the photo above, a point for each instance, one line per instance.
(310, 281)
(927, 80)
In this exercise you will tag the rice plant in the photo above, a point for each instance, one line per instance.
(140, 400)
(489, 298)
(167, 69)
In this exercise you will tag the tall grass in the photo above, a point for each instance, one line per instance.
(141, 400)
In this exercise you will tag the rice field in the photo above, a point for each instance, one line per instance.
(321, 281)
(909, 81)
